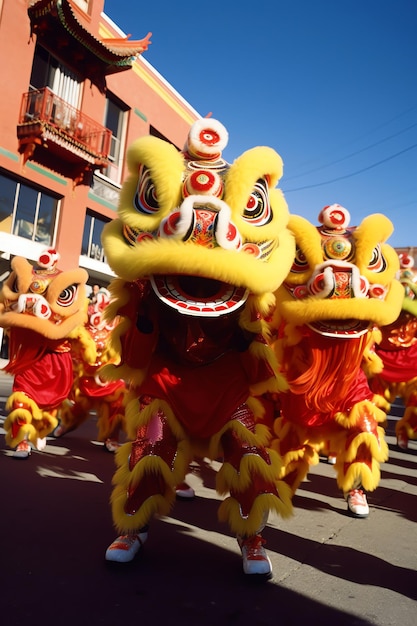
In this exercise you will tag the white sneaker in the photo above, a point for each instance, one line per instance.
(22, 451)
(183, 490)
(357, 503)
(125, 548)
(60, 430)
(111, 445)
(402, 439)
(255, 558)
(41, 443)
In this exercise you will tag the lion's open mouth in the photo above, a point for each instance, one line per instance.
(194, 295)
(340, 328)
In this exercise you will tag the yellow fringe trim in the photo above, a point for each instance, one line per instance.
(26, 431)
(230, 512)
(297, 470)
(358, 473)
(155, 505)
(150, 465)
(349, 420)
(382, 403)
(21, 397)
(228, 478)
(124, 479)
(378, 452)
(38, 423)
(252, 439)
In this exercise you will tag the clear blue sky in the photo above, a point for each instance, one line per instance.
(329, 84)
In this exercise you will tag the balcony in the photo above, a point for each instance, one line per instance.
(57, 135)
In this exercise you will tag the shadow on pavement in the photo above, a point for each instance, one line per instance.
(56, 524)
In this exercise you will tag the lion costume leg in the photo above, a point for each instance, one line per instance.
(406, 427)
(111, 419)
(365, 448)
(149, 468)
(27, 424)
(71, 415)
(293, 444)
(250, 475)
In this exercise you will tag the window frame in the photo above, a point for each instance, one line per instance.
(114, 171)
(88, 242)
(15, 228)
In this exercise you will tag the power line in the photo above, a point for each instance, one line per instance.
(366, 134)
(377, 143)
(364, 169)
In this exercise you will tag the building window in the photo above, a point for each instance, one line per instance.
(27, 212)
(7, 203)
(83, 4)
(48, 72)
(91, 245)
(155, 133)
(115, 120)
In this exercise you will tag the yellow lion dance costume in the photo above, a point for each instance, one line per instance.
(396, 347)
(43, 309)
(199, 248)
(341, 284)
(90, 353)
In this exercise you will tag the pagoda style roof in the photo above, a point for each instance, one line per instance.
(57, 27)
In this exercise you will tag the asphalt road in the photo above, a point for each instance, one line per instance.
(329, 569)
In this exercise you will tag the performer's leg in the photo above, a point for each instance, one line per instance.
(250, 474)
(298, 453)
(71, 414)
(406, 427)
(365, 448)
(111, 419)
(149, 468)
(26, 424)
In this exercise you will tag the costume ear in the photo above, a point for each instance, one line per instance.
(154, 185)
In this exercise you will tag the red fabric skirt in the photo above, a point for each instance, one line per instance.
(48, 381)
(203, 398)
(89, 388)
(399, 365)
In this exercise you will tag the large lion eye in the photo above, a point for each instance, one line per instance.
(300, 263)
(258, 210)
(145, 199)
(68, 296)
(377, 262)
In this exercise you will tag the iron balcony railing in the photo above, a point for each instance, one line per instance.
(42, 106)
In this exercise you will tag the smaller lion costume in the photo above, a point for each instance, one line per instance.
(341, 284)
(41, 307)
(90, 353)
(199, 246)
(396, 347)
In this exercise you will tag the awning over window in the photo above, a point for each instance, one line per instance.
(57, 27)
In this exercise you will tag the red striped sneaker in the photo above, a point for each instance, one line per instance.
(125, 548)
(23, 450)
(357, 503)
(255, 558)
